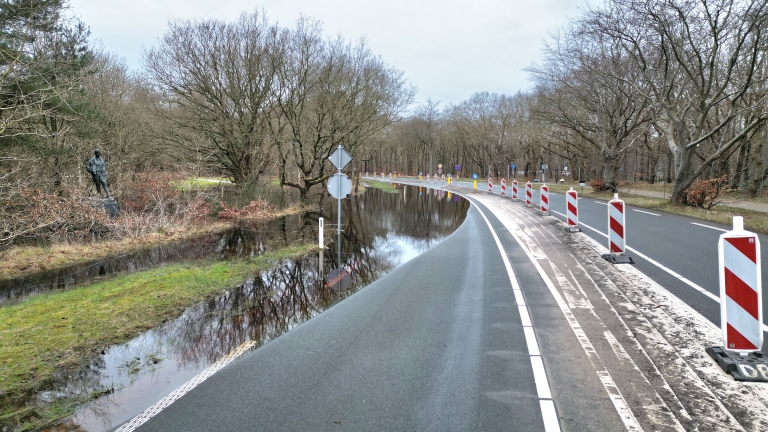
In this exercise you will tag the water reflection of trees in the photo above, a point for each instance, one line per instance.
(274, 301)
(270, 304)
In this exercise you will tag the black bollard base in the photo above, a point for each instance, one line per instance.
(618, 258)
(750, 367)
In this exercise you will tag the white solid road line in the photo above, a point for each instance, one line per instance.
(549, 414)
(642, 211)
(619, 403)
(710, 227)
(665, 268)
(186, 388)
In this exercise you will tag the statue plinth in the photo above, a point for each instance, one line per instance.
(108, 204)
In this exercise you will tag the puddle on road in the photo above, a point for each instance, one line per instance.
(380, 232)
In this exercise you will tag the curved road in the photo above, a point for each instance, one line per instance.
(438, 344)
(684, 245)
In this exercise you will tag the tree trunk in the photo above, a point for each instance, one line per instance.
(611, 169)
(757, 168)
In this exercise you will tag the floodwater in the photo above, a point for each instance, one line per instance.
(380, 231)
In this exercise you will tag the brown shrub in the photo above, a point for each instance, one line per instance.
(703, 193)
(34, 216)
(256, 210)
(598, 185)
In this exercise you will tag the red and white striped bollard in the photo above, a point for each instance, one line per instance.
(572, 211)
(490, 185)
(544, 199)
(514, 189)
(741, 295)
(617, 233)
(503, 187)
(528, 194)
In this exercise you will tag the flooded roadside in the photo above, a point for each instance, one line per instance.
(380, 232)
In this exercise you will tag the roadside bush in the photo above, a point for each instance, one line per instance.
(32, 216)
(255, 210)
(598, 185)
(152, 204)
(703, 193)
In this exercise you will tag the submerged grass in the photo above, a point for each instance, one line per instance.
(384, 186)
(202, 183)
(60, 330)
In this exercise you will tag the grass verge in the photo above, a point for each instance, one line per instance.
(202, 183)
(59, 330)
(384, 186)
(24, 260)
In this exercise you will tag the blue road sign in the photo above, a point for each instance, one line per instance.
(513, 166)
(474, 176)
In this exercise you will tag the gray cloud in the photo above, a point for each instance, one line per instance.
(449, 49)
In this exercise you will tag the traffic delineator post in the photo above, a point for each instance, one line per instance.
(617, 233)
(740, 289)
(514, 189)
(474, 184)
(490, 185)
(443, 179)
(544, 199)
(528, 195)
(503, 187)
(741, 299)
(572, 211)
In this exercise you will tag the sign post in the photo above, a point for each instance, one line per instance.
(339, 187)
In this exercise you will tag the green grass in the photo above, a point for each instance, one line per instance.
(193, 183)
(384, 186)
(58, 330)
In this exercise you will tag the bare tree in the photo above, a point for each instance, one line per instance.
(698, 63)
(330, 93)
(584, 87)
(218, 80)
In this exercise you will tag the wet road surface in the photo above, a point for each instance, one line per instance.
(438, 344)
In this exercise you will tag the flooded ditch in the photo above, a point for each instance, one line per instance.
(380, 232)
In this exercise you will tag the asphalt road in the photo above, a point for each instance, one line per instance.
(438, 344)
(684, 245)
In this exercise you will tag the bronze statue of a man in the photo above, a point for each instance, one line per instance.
(98, 170)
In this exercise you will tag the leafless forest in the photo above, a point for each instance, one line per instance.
(671, 90)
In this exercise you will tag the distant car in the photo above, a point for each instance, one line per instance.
(535, 180)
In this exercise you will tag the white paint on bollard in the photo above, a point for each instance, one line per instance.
(322, 224)
(741, 299)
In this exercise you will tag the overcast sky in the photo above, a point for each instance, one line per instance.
(448, 49)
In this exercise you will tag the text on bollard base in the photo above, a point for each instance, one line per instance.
(750, 367)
